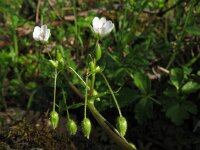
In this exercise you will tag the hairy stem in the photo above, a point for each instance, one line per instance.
(111, 91)
(54, 93)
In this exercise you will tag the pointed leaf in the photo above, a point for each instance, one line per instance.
(142, 82)
(176, 76)
(190, 87)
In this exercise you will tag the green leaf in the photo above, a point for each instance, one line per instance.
(177, 114)
(176, 76)
(143, 110)
(142, 82)
(190, 87)
(190, 107)
(198, 73)
(193, 30)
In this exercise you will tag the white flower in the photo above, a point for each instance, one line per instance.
(41, 34)
(101, 26)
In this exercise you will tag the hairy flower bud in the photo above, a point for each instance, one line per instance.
(98, 52)
(71, 127)
(121, 125)
(54, 119)
(95, 93)
(86, 127)
(54, 63)
(92, 66)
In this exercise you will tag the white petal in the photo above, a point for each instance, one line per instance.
(109, 26)
(102, 21)
(95, 22)
(43, 28)
(47, 35)
(36, 33)
(102, 31)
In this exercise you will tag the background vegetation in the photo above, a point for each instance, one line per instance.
(151, 61)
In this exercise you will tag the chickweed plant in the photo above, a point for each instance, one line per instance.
(101, 29)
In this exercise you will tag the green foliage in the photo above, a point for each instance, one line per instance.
(179, 112)
(176, 77)
(176, 104)
(193, 30)
(147, 34)
(142, 82)
(190, 87)
(143, 110)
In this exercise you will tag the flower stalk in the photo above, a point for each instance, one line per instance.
(54, 93)
(112, 93)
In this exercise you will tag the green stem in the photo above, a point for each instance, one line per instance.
(54, 96)
(93, 81)
(110, 130)
(121, 141)
(111, 91)
(79, 77)
(86, 95)
(64, 99)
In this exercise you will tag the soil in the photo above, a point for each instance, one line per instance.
(29, 130)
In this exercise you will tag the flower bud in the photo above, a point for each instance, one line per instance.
(86, 127)
(71, 127)
(98, 52)
(54, 63)
(121, 125)
(97, 69)
(95, 93)
(92, 66)
(54, 119)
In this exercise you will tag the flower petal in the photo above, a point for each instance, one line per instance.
(36, 33)
(43, 28)
(102, 31)
(95, 22)
(108, 26)
(102, 21)
(47, 35)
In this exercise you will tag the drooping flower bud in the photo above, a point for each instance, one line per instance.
(92, 66)
(95, 93)
(86, 127)
(97, 69)
(71, 127)
(54, 119)
(121, 125)
(54, 63)
(98, 51)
